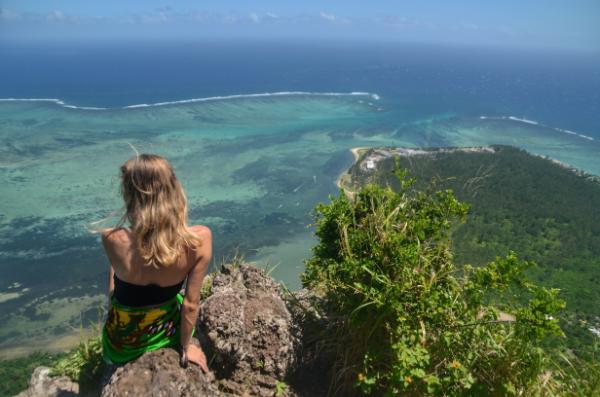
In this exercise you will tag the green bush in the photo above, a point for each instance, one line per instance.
(407, 321)
(579, 377)
(84, 364)
(15, 373)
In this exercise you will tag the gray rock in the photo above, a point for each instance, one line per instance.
(251, 341)
(158, 374)
(41, 384)
(247, 327)
(314, 357)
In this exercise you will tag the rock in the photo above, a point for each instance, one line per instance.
(303, 305)
(314, 357)
(159, 374)
(41, 384)
(250, 337)
(247, 327)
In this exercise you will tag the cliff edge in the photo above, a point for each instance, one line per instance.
(251, 339)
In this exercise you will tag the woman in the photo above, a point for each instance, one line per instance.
(149, 262)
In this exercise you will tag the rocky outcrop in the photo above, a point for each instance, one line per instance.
(252, 337)
(314, 357)
(41, 384)
(159, 374)
(246, 326)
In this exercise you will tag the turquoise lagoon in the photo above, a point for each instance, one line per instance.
(253, 168)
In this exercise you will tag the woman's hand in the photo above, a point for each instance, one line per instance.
(195, 355)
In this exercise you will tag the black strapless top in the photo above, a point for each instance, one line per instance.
(143, 295)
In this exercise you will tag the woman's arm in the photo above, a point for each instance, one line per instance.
(191, 301)
(111, 270)
(111, 281)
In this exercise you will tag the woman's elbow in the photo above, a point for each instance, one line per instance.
(190, 307)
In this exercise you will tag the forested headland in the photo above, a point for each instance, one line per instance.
(544, 211)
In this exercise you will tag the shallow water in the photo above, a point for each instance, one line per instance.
(253, 169)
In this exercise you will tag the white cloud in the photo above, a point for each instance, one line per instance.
(254, 17)
(334, 19)
(160, 15)
(8, 15)
(56, 16)
(59, 17)
(328, 17)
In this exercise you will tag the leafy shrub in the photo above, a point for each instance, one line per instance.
(15, 373)
(407, 321)
(578, 376)
(84, 364)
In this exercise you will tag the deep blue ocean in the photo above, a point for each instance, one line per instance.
(558, 88)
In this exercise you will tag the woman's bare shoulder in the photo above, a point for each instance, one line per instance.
(205, 235)
(201, 231)
(117, 235)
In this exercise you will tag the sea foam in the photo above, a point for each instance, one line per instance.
(533, 122)
(53, 100)
(194, 100)
(526, 121)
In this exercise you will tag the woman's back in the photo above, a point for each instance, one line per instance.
(130, 267)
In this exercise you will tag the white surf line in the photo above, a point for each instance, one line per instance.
(259, 95)
(533, 122)
(53, 100)
(194, 100)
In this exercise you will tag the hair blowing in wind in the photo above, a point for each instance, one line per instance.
(156, 209)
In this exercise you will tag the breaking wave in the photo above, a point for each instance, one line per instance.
(193, 100)
(533, 122)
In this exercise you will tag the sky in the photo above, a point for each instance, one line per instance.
(569, 24)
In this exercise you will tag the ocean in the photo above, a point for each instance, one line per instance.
(258, 133)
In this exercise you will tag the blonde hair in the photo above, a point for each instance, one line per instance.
(156, 209)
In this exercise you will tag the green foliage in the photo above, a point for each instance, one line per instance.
(280, 388)
(84, 364)
(544, 212)
(523, 203)
(407, 320)
(579, 378)
(15, 373)
(206, 290)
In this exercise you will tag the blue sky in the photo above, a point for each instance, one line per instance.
(572, 24)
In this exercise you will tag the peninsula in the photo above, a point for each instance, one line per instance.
(542, 209)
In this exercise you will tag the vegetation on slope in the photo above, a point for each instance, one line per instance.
(84, 364)
(544, 212)
(15, 373)
(408, 322)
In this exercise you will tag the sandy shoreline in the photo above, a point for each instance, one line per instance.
(356, 154)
